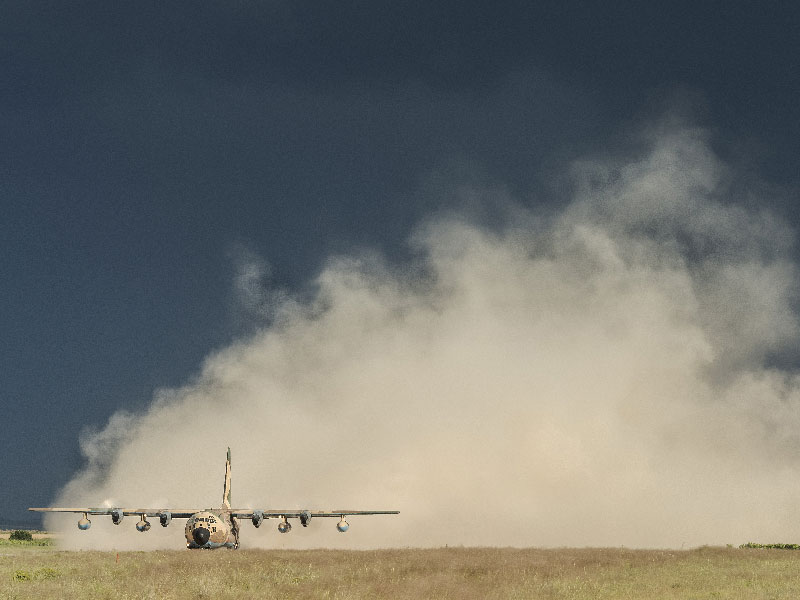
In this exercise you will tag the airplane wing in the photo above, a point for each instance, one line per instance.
(249, 513)
(257, 516)
(175, 513)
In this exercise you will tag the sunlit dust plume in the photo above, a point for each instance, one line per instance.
(600, 375)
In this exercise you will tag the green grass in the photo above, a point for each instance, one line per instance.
(458, 573)
(23, 543)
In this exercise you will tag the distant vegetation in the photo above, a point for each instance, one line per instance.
(773, 546)
(454, 573)
(21, 535)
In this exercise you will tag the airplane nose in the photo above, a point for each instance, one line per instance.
(201, 535)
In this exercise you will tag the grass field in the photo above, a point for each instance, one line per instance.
(36, 571)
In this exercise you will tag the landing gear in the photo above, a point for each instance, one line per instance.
(235, 532)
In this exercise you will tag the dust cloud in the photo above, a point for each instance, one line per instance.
(598, 375)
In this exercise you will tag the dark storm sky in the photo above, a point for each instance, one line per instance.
(145, 146)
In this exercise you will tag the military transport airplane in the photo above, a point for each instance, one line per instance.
(214, 528)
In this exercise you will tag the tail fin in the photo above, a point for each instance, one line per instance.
(226, 493)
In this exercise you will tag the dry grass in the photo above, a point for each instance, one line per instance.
(462, 573)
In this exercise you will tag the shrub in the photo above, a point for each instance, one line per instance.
(46, 573)
(774, 546)
(22, 535)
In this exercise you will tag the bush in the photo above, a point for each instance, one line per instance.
(22, 535)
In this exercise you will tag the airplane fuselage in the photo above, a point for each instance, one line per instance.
(212, 529)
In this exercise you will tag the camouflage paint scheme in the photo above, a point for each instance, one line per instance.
(222, 529)
(214, 528)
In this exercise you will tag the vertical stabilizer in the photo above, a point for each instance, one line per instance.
(226, 493)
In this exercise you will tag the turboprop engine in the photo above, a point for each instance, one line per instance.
(116, 516)
(305, 517)
(258, 518)
(143, 525)
(165, 518)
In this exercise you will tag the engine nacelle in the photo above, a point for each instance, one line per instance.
(305, 517)
(116, 516)
(84, 523)
(143, 525)
(165, 518)
(258, 518)
(284, 526)
(342, 526)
